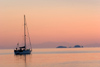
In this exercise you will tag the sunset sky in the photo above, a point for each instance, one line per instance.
(50, 22)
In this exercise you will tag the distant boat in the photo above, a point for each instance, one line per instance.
(23, 49)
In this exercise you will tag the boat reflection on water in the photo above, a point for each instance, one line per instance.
(24, 59)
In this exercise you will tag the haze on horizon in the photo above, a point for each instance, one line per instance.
(50, 22)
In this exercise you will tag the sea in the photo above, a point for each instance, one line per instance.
(52, 57)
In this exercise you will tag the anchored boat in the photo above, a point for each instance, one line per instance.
(23, 49)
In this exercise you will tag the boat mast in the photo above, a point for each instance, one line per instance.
(24, 31)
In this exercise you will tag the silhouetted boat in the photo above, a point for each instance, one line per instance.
(23, 49)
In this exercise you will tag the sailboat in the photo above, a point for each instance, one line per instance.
(23, 49)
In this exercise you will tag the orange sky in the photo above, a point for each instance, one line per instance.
(74, 22)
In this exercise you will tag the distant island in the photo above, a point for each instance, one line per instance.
(78, 46)
(61, 47)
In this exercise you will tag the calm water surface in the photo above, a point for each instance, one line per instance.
(52, 57)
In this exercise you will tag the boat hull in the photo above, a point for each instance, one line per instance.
(20, 52)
